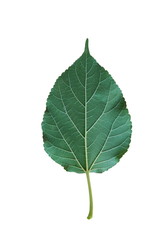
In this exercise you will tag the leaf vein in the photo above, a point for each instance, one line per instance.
(102, 111)
(78, 77)
(116, 146)
(67, 143)
(105, 140)
(73, 91)
(95, 89)
(69, 115)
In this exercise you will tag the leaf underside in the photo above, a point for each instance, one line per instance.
(86, 125)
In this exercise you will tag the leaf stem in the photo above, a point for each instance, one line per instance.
(90, 214)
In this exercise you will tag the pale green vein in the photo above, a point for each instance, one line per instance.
(56, 107)
(107, 160)
(120, 145)
(95, 89)
(78, 77)
(93, 63)
(74, 93)
(68, 114)
(86, 153)
(102, 111)
(67, 143)
(105, 141)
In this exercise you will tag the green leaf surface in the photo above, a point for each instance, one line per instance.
(86, 125)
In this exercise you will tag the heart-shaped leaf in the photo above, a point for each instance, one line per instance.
(86, 125)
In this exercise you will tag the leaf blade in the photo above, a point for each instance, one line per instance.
(89, 111)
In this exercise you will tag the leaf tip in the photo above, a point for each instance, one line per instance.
(86, 50)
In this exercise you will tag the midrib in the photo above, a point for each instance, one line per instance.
(85, 138)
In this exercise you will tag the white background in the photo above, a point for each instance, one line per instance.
(38, 41)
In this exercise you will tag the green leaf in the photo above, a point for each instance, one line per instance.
(86, 125)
